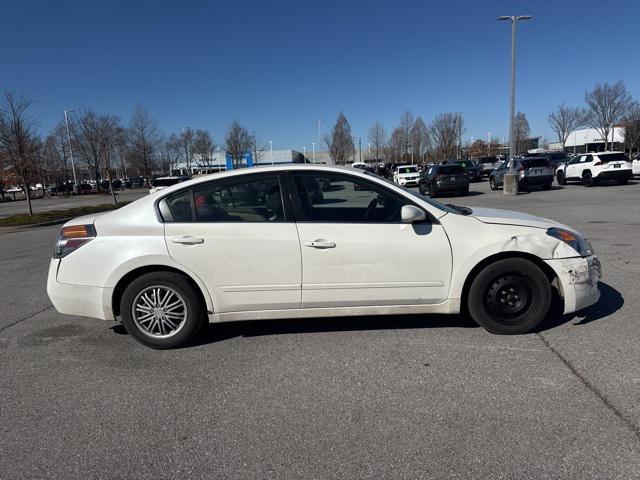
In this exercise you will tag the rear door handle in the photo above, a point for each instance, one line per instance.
(320, 244)
(188, 240)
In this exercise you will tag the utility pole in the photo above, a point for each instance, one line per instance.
(489, 134)
(510, 179)
(313, 147)
(360, 147)
(271, 149)
(73, 165)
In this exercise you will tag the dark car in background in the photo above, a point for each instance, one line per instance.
(448, 178)
(472, 169)
(532, 172)
(555, 159)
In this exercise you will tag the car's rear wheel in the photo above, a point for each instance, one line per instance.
(422, 189)
(492, 183)
(587, 179)
(546, 186)
(562, 180)
(510, 296)
(465, 192)
(623, 181)
(161, 310)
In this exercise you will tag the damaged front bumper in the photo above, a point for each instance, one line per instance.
(578, 281)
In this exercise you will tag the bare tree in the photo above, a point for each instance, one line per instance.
(143, 139)
(378, 139)
(186, 140)
(18, 141)
(340, 142)
(403, 131)
(478, 148)
(521, 131)
(419, 139)
(202, 148)
(607, 105)
(86, 142)
(632, 129)
(169, 154)
(52, 164)
(565, 120)
(445, 131)
(238, 142)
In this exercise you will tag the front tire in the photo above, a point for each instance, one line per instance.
(509, 297)
(492, 183)
(587, 179)
(433, 192)
(161, 310)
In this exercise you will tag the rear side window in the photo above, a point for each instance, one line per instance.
(256, 200)
(180, 206)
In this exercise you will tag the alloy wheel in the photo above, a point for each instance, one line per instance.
(159, 311)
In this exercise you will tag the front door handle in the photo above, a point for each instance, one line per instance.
(320, 244)
(188, 240)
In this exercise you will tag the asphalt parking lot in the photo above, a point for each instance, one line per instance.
(385, 397)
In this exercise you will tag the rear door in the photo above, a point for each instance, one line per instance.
(356, 251)
(577, 165)
(239, 237)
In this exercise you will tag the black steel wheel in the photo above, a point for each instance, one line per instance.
(509, 296)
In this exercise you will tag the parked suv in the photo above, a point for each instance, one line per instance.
(444, 179)
(471, 168)
(488, 164)
(532, 172)
(591, 168)
(407, 175)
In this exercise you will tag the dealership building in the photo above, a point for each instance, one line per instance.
(590, 140)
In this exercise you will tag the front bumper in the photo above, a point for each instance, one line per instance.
(405, 182)
(81, 300)
(578, 279)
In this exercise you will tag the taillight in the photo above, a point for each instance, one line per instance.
(71, 238)
(597, 164)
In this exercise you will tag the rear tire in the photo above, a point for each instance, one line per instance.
(465, 192)
(562, 180)
(623, 181)
(509, 297)
(492, 183)
(546, 186)
(587, 179)
(161, 310)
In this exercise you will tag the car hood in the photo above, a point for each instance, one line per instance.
(412, 174)
(509, 217)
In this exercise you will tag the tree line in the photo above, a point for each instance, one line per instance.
(606, 107)
(101, 147)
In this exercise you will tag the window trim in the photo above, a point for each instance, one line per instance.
(298, 212)
(161, 204)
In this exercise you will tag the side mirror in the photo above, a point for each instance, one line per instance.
(411, 214)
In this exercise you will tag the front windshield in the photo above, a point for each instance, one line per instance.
(408, 170)
(417, 195)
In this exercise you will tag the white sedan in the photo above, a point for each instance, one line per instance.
(262, 243)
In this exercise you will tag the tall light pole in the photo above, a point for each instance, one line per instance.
(489, 135)
(313, 147)
(304, 153)
(510, 179)
(73, 165)
(271, 150)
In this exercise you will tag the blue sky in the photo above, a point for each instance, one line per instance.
(277, 67)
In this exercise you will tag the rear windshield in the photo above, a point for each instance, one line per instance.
(489, 159)
(535, 162)
(164, 182)
(613, 157)
(450, 170)
(465, 163)
(407, 169)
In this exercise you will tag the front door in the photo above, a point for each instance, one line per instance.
(235, 235)
(355, 249)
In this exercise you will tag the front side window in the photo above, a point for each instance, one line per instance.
(327, 197)
(246, 200)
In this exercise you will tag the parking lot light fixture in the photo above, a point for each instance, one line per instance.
(510, 181)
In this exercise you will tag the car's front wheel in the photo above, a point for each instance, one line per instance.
(433, 191)
(161, 310)
(587, 179)
(493, 184)
(510, 296)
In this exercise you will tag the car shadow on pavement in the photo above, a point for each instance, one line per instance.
(223, 331)
(611, 301)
